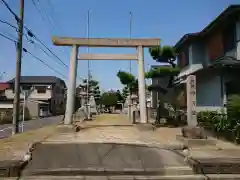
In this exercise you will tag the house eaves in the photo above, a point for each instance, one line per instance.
(222, 18)
(38, 80)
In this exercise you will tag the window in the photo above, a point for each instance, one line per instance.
(26, 87)
(41, 89)
(229, 38)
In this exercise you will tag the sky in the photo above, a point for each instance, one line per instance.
(168, 20)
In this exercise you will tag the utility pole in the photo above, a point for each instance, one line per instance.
(130, 69)
(88, 69)
(16, 105)
(130, 34)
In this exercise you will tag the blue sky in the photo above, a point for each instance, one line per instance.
(168, 20)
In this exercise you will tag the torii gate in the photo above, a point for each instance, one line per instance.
(139, 44)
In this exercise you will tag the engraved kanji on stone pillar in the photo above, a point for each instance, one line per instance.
(191, 100)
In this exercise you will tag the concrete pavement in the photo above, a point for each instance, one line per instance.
(6, 129)
(104, 158)
(109, 145)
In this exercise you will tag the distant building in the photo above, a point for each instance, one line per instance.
(46, 94)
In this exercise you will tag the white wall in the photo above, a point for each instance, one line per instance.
(4, 105)
(34, 95)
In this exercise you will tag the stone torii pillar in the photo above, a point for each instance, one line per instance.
(141, 85)
(105, 42)
(71, 91)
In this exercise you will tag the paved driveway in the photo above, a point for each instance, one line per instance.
(6, 129)
(110, 144)
(102, 158)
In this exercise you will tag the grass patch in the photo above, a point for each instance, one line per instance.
(107, 117)
(21, 142)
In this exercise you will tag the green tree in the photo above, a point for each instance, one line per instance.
(165, 54)
(109, 98)
(119, 96)
(125, 93)
(129, 81)
(93, 88)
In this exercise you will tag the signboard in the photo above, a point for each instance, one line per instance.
(191, 100)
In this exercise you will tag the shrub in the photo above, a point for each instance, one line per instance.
(213, 120)
(233, 109)
(227, 126)
(207, 118)
(6, 116)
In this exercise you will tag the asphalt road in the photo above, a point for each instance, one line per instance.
(6, 129)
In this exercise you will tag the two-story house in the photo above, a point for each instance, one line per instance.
(213, 55)
(44, 94)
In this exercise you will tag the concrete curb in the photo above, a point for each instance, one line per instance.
(171, 147)
(81, 128)
(163, 177)
(13, 168)
(215, 165)
(178, 170)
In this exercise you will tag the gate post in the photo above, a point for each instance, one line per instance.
(141, 85)
(71, 91)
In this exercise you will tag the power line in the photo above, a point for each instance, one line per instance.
(50, 5)
(37, 45)
(10, 10)
(38, 10)
(45, 13)
(26, 51)
(9, 24)
(9, 38)
(29, 33)
(12, 26)
(130, 34)
(50, 51)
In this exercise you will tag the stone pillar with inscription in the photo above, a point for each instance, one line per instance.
(191, 101)
(192, 130)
